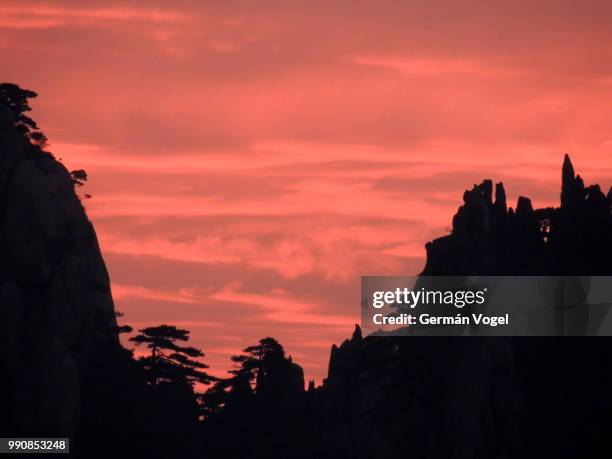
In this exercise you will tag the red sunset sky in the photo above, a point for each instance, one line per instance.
(250, 160)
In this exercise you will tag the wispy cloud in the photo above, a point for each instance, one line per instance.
(416, 66)
(40, 16)
(122, 292)
(279, 306)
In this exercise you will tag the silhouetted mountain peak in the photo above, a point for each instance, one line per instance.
(381, 384)
(488, 239)
(572, 186)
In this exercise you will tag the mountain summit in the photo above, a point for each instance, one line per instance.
(487, 238)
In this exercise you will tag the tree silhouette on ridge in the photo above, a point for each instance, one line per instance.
(169, 361)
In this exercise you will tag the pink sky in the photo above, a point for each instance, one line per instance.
(250, 160)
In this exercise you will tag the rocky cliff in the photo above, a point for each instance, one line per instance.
(425, 397)
(55, 298)
(439, 397)
(488, 238)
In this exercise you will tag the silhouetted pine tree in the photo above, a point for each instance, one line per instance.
(252, 362)
(120, 329)
(227, 395)
(170, 362)
(16, 99)
(237, 391)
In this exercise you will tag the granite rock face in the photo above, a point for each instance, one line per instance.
(55, 298)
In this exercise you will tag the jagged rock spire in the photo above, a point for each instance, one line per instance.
(568, 178)
(357, 335)
(572, 187)
(567, 172)
(575, 238)
(500, 197)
